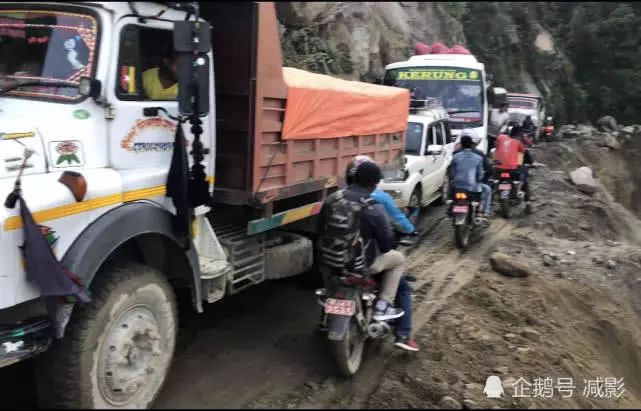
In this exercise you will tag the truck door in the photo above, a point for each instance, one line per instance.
(143, 78)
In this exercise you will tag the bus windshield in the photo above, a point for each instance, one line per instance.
(460, 90)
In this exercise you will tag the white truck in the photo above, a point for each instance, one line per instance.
(459, 81)
(521, 105)
(91, 136)
(428, 152)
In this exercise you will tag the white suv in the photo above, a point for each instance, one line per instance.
(428, 153)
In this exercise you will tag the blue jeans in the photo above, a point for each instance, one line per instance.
(486, 198)
(404, 302)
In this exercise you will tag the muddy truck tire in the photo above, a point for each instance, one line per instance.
(117, 349)
(292, 257)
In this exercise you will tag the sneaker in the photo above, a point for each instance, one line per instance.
(406, 343)
(385, 311)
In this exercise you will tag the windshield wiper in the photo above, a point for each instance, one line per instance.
(28, 83)
(462, 111)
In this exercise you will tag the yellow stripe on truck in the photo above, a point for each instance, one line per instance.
(14, 223)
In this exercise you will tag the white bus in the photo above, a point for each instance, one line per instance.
(460, 83)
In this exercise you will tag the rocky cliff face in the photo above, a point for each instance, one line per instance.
(355, 40)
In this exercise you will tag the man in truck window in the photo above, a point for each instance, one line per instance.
(161, 83)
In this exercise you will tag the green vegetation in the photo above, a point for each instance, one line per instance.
(595, 68)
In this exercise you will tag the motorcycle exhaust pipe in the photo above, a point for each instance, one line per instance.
(379, 330)
(521, 195)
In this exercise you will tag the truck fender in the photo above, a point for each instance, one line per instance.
(111, 230)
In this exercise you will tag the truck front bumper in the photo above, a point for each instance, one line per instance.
(24, 340)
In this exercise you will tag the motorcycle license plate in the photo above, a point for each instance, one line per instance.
(505, 186)
(340, 307)
(460, 209)
(505, 194)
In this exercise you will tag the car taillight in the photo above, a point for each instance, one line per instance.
(461, 196)
(505, 175)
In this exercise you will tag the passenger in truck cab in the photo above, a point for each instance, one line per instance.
(161, 83)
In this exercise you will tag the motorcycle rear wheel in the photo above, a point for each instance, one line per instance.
(348, 352)
(462, 236)
(505, 208)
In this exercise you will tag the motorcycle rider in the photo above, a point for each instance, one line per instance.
(464, 162)
(375, 230)
(403, 328)
(398, 219)
(528, 126)
(512, 154)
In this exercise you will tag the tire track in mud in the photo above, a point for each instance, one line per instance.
(440, 270)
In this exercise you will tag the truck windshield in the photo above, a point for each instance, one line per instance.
(460, 90)
(414, 139)
(50, 51)
(522, 103)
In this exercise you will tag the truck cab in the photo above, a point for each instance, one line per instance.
(428, 152)
(522, 105)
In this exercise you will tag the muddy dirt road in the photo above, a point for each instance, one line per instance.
(575, 315)
(261, 341)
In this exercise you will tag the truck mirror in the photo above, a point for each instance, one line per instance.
(434, 150)
(192, 37)
(192, 40)
(193, 77)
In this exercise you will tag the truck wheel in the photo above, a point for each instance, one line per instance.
(295, 256)
(117, 349)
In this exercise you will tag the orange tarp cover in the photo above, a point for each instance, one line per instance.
(320, 106)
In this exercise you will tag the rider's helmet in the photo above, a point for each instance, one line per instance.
(368, 174)
(515, 131)
(470, 132)
(353, 165)
(511, 125)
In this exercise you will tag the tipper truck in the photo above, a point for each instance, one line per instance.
(89, 153)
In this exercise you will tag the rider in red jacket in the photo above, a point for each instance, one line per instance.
(511, 154)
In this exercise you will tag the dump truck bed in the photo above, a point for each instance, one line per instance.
(258, 159)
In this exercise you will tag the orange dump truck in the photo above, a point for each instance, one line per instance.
(284, 136)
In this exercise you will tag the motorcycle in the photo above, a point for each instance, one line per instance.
(509, 189)
(463, 210)
(348, 306)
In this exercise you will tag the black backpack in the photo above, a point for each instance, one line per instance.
(340, 243)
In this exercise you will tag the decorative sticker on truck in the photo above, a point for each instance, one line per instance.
(143, 130)
(66, 153)
(439, 74)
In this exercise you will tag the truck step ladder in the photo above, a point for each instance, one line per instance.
(246, 254)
